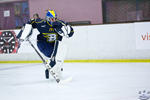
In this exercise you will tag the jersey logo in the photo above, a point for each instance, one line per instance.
(51, 37)
(51, 29)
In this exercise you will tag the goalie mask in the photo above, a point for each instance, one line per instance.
(51, 15)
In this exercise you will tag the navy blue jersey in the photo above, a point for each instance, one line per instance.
(47, 29)
(47, 39)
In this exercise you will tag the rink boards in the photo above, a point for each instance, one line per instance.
(96, 43)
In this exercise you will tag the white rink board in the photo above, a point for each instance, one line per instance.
(112, 41)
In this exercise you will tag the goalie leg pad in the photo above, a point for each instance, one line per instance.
(59, 59)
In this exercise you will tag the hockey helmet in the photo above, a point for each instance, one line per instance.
(51, 14)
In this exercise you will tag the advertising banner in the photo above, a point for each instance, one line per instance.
(142, 31)
(8, 42)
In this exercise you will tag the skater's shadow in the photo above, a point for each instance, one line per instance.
(16, 66)
(36, 82)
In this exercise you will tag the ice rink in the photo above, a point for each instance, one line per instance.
(91, 81)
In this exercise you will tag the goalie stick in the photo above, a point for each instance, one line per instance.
(48, 68)
(44, 62)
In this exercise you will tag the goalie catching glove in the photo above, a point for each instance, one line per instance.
(65, 31)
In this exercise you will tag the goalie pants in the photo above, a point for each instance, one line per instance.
(47, 48)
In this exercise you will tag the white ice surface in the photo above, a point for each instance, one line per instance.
(91, 81)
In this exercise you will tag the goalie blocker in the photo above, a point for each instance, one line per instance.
(25, 32)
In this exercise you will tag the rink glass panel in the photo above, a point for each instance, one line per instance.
(116, 11)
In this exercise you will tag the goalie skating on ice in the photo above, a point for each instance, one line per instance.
(50, 41)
